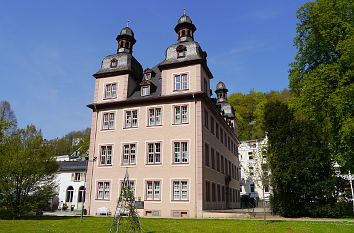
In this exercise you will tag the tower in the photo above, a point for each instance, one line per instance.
(221, 92)
(185, 28)
(126, 40)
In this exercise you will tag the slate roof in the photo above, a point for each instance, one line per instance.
(73, 165)
(156, 80)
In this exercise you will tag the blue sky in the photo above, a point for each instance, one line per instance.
(50, 49)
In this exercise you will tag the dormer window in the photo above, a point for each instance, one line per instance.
(114, 63)
(181, 51)
(145, 90)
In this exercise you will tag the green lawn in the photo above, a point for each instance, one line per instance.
(102, 224)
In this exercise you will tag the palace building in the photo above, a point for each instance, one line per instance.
(178, 144)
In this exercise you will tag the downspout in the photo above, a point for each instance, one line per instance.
(195, 151)
(93, 162)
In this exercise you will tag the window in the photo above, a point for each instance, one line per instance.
(206, 119)
(206, 153)
(131, 119)
(212, 153)
(145, 91)
(207, 191)
(106, 155)
(252, 188)
(221, 135)
(103, 190)
(217, 161)
(111, 91)
(206, 86)
(181, 114)
(213, 188)
(114, 63)
(226, 171)
(228, 143)
(108, 120)
(69, 194)
(218, 191)
(77, 176)
(212, 125)
(222, 164)
(251, 171)
(153, 191)
(223, 193)
(154, 116)
(217, 130)
(180, 51)
(181, 82)
(131, 187)
(154, 153)
(180, 191)
(81, 197)
(129, 154)
(225, 139)
(180, 152)
(266, 188)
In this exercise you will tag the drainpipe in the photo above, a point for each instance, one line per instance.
(93, 164)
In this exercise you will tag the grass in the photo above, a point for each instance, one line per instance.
(102, 224)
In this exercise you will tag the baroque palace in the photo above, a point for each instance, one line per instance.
(178, 144)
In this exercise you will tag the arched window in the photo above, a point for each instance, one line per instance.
(113, 63)
(81, 197)
(183, 32)
(69, 194)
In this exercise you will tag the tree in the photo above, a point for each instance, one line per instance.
(321, 77)
(303, 178)
(7, 119)
(249, 110)
(27, 169)
(65, 146)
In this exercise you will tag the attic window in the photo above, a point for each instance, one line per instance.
(181, 51)
(145, 90)
(114, 63)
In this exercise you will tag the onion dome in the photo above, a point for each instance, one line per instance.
(221, 92)
(126, 40)
(185, 28)
(221, 86)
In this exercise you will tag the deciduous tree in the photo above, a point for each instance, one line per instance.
(321, 77)
(27, 169)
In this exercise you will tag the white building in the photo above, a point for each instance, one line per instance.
(71, 182)
(253, 168)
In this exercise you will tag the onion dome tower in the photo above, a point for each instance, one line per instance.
(221, 92)
(126, 40)
(225, 107)
(123, 61)
(185, 28)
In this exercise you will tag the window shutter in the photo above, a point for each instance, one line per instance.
(72, 176)
(82, 176)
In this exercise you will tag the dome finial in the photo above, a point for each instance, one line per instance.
(128, 21)
(184, 11)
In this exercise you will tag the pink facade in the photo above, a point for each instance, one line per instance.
(178, 144)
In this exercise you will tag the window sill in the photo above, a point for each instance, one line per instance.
(152, 126)
(186, 123)
(104, 165)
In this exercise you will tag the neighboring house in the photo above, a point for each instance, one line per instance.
(178, 144)
(252, 161)
(71, 181)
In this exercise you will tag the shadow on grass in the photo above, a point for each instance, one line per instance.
(38, 217)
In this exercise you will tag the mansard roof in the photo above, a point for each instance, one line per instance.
(155, 80)
(126, 63)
